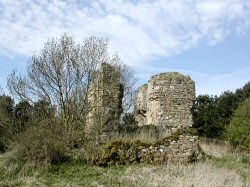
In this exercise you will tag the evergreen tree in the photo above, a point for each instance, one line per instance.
(213, 114)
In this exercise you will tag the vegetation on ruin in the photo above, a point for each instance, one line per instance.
(169, 76)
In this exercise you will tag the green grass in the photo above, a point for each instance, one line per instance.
(64, 174)
(80, 174)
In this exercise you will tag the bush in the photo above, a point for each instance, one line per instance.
(128, 124)
(6, 121)
(42, 145)
(239, 128)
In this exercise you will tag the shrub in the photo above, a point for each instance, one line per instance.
(42, 145)
(128, 124)
(6, 121)
(239, 128)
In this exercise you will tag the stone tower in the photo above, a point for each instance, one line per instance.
(141, 105)
(166, 101)
(105, 102)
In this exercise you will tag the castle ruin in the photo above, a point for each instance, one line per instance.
(166, 101)
(104, 101)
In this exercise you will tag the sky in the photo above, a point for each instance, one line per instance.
(208, 40)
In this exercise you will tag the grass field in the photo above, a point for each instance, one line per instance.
(221, 168)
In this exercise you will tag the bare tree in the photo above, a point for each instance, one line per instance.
(128, 81)
(62, 73)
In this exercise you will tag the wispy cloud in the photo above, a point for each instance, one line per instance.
(206, 83)
(138, 30)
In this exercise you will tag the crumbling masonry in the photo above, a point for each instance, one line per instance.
(166, 101)
(104, 101)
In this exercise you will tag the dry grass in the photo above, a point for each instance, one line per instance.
(145, 135)
(24, 182)
(196, 175)
(224, 155)
(215, 148)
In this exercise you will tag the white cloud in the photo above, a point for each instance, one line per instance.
(206, 83)
(138, 30)
(218, 83)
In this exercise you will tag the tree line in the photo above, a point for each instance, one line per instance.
(213, 114)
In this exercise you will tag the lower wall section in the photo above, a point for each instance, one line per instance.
(180, 147)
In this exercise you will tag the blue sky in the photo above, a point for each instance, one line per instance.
(206, 39)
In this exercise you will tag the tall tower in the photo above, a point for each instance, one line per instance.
(105, 101)
(166, 101)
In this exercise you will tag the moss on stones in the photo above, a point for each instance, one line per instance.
(175, 147)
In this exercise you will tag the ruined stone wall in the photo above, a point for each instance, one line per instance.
(105, 102)
(141, 105)
(168, 99)
(185, 149)
(166, 102)
(179, 147)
